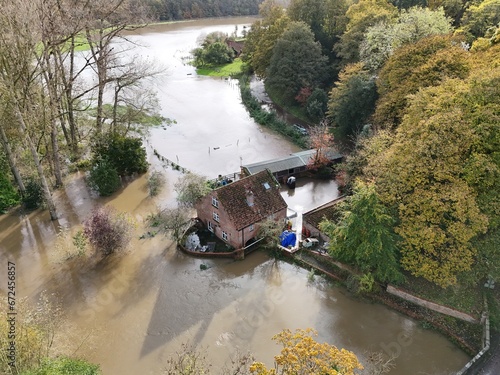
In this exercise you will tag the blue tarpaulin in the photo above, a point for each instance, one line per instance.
(288, 239)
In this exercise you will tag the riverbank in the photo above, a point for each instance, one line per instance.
(467, 336)
(268, 118)
(225, 71)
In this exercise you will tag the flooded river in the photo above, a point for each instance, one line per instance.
(132, 312)
(213, 133)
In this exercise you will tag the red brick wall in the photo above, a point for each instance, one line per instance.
(205, 211)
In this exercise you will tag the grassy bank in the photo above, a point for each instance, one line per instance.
(268, 118)
(292, 108)
(468, 299)
(227, 70)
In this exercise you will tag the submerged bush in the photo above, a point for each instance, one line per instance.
(125, 154)
(8, 194)
(33, 197)
(107, 231)
(155, 183)
(104, 178)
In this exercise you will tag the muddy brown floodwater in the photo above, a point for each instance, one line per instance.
(131, 312)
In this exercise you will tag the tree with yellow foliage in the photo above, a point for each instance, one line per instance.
(302, 355)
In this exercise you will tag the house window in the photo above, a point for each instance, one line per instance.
(215, 202)
(210, 227)
(251, 228)
(224, 236)
(216, 216)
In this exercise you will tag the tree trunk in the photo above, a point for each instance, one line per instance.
(67, 79)
(99, 55)
(45, 186)
(55, 154)
(11, 161)
(50, 74)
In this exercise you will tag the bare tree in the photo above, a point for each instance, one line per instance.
(11, 160)
(322, 140)
(40, 75)
(173, 222)
(190, 188)
(19, 78)
(107, 23)
(130, 94)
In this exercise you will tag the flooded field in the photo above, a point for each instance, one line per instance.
(131, 312)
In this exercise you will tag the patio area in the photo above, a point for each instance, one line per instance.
(202, 240)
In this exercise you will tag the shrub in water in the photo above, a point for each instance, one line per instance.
(8, 195)
(107, 231)
(104, 178)
(125, 154)
(155, 183)
(33, 198)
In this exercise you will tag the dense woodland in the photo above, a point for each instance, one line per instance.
(410, 93)
(169, 10)
(414, 100)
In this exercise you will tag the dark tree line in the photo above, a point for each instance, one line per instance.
(168, 10)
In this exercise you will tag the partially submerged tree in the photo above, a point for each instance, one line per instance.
(214, 51)
(41, 86)
(190, 361)
(107, 231)
(190, 188)
(20, 86)
(156, 181)
(302, 355)
(126, 154)
(174, 222)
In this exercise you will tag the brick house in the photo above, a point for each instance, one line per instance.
(233, 212)
(236, 46)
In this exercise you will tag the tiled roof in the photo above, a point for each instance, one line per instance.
(295, 160)
(237, 46)
(261, 189)
(329, 211)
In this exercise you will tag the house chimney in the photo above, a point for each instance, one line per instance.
(249, 196)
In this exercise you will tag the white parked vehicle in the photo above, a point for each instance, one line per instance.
(300, 129)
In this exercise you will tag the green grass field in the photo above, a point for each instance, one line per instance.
(223, 70)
